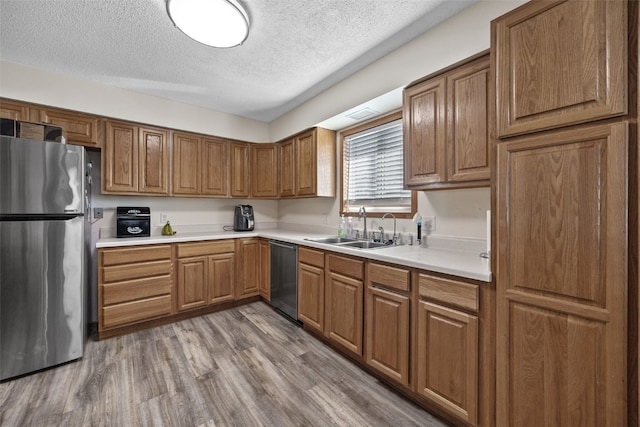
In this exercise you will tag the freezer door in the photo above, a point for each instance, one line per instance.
(41, 294)
(39, 177)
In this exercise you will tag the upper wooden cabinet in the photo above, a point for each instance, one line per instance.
(264, 179)
(562, 277)
(307, 164)
(239, 160)
(80, 129)
(287, 168)
(559, 63)
(446, 137)
(135, 160)
(13, 110)
(200, 165)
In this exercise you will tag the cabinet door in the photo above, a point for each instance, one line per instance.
(13, 110)
(80, 129)
(562, 279)
(153, 161)
(221, 278)
(306, 164)
(215, 170)
(265, 270)
(387, 333)
(447, 359)
(120, 158)
(559, 63)
(248, 272)
(344, 311)
(311, 296)
(467, 122)
(264, 180)
(424, 133)
(192, 283)
(240, 169)
(186, 164)
(287, 169)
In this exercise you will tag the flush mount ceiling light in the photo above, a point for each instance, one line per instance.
(217, 23)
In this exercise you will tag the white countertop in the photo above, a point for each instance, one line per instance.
(460, 263)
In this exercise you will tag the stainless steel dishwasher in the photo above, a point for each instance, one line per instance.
(284, 278)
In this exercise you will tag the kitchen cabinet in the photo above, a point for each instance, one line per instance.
(199, 165)
(206, 273)
(387, 308)
(264, 179)
(311, 286)
(240, 177)
(315, 152)
(559, 63)
(344, 301)
(287, 168)
(445, 126)
(248, 269)
(562, 244)
(447, 343)
(79, 128)
(134, 285)
(265, 269)
(307, 164)
(14, 110)
(135, 160)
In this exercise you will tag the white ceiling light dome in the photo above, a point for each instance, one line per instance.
(217, 23)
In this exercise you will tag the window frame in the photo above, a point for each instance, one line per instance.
(397, 115)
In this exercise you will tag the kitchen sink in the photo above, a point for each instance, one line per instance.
(332, 240)
(364, 244)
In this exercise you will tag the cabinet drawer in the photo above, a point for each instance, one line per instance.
(135, 311)
(205, 248)
(463, 295)
(119, 273)
(347, 266)
(135, 254)
(132, 290)
(311, 257)
(388, 277)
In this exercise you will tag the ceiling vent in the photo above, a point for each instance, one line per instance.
(362, 114)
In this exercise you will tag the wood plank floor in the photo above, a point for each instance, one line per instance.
(246, 366)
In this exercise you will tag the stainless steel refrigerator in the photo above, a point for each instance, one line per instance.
(42, 255)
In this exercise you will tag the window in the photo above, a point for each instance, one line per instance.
(373, 169)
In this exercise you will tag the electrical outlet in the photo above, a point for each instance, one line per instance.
(163, 218)
(429, 223)
(98, 213)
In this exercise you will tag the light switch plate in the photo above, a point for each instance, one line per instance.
(98, 213)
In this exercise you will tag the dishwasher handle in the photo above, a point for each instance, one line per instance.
(290, 246)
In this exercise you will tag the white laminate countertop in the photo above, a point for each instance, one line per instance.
(460, 263)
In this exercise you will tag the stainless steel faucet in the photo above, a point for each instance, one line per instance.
(395, 236)
(362, 213)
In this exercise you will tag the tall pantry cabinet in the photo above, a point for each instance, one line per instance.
(561, 204)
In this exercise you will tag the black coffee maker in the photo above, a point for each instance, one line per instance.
(243, 218)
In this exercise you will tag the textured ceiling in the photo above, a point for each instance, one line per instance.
(295, 49)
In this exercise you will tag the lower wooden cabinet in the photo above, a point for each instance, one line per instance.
(248, 268)
(311, 288)
(134, 285)
(387, 308)
(265, 269)
(447, 341)
(344, 294)
(206, 273)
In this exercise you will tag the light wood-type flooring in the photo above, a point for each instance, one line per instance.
(246, 366)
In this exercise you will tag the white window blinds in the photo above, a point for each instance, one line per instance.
(373, 170)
